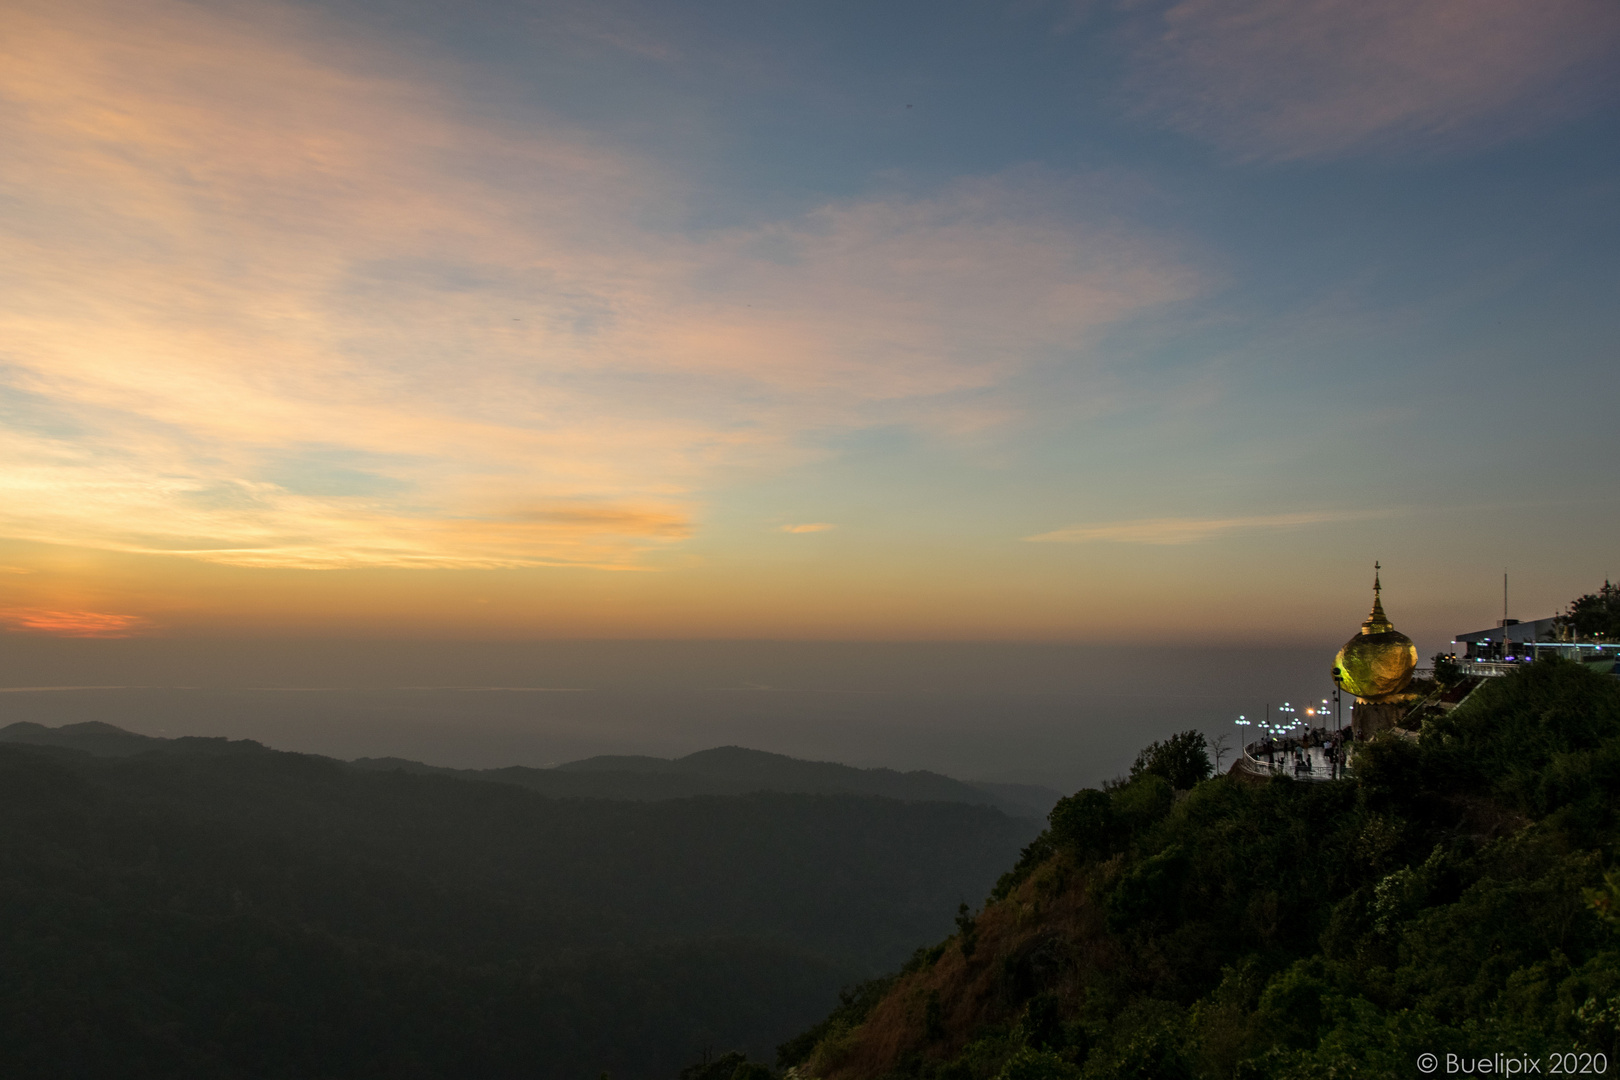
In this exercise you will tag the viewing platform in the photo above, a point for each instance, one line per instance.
(1317, 754)
(1604, 658)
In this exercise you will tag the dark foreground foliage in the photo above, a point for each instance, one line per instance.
(236, 912)
(1451, 898)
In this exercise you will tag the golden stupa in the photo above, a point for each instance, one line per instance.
(1376, 664)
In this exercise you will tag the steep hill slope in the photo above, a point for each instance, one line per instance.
(1450, 899)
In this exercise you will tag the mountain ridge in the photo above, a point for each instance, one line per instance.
(723, 770)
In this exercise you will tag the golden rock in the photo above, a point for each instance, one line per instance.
(1376, 664)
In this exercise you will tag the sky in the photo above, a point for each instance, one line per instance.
(1122, 321)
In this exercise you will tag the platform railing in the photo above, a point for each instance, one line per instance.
(1488, 669)
(1282, 762)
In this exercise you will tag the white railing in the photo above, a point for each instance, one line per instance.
(1488, 669)
(1282, 764)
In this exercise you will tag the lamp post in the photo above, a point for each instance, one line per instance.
(1242, 722)
(1293, 722)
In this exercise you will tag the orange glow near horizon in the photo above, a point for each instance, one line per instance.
(95, 624)
(893, 592)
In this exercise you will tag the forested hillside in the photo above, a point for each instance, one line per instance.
(217, 909)
(1450, 898)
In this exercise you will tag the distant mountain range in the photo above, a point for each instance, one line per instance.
(209, 907)
(725, 770)
(105, 740)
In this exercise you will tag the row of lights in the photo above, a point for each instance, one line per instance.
(1282, 729)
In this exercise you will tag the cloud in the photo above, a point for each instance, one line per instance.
(94, 624)
(814, 527)
(600, 24)
(1182, 530)
(886, 299)
(245, 523)
(1303, 79)
(277, 295)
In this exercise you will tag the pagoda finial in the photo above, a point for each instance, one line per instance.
(1377, 622)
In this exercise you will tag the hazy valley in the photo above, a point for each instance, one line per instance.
(207, 906)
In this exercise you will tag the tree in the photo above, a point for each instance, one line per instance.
(1085, 823)
(968, 929)
(1447, 671)
(1181, 759)
(1595, 615)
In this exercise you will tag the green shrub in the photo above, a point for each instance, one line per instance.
(1181, 759)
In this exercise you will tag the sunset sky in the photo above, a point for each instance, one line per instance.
(892, 321)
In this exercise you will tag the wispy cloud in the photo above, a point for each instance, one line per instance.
(1288, 79)
(1184, 530)
(95, 624)
(813, 527)
(241, 233)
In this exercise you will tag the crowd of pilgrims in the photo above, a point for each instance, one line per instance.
(1295, 750)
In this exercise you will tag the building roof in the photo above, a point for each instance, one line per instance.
(1534, 630)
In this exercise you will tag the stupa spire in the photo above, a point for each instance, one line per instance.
(1377, 622)
(1376, 665)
